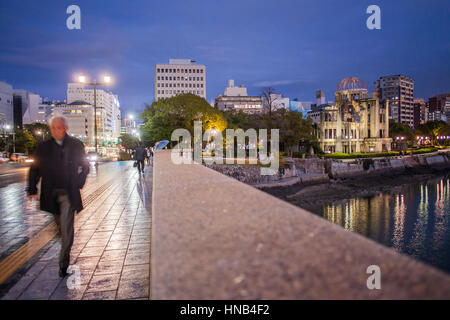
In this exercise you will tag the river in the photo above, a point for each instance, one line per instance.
(408, 213)
(414, 220)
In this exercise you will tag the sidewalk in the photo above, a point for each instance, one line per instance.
(111, 245)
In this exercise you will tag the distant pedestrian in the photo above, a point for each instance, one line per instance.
(149, 155)
(62, 165)
(139, 155)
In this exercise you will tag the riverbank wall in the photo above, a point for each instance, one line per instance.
(317, 170)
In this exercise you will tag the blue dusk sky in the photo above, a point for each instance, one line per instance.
(295, 46)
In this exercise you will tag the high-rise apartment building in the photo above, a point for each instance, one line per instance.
(398, 90)
(420, 112)
(179, 76)
(108, 108)
(440, 103)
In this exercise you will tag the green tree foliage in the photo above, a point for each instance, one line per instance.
(128, 141)
(397, 129)
(166, 115)
(25, 142)
(293, 128)
(36, 128)
(433, 129)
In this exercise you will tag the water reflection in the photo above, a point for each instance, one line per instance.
(414, 220)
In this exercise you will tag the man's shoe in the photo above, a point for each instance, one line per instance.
(62, 272)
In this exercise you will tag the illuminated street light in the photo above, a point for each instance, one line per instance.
(82, 79)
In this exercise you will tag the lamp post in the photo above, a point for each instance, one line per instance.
(106, 80)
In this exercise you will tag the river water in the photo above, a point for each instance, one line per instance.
(414, 220)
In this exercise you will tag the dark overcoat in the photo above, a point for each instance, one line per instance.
(74, 165)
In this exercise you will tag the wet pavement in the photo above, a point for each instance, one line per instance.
(110, 257)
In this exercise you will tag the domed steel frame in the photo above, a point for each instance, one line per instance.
(351, 83)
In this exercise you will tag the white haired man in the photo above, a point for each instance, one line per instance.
(62, 165)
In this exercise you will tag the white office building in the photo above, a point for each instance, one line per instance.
(34, 110)
(179, 76)
(108, 108)
(236, 98)
(80, 118)
(6, 105)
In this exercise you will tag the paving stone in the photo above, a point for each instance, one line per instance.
(136, 272)
(108, 267)
(114, 254)
(64, 293)
(137, 258)
(117, 244)
(92, 252)
(139, 239)
(97, 243)
(131, 289)
(101, 295)
(40, 289)
(138, 247)
(104, 282)
(102, 235)
(18, 288)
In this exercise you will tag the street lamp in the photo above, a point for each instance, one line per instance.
(106, 80)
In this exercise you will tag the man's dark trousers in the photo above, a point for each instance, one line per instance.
(64, 219)
(140, 166)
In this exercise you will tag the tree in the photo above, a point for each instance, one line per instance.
(293, 128)
(24, 142)
(433, 129)
(128, 141)
(397, 129)
(166, 115)
(38, 130)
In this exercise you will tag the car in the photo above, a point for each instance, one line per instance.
(18, 157)
(3, 159)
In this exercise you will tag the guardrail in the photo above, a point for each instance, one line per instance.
(216, 238)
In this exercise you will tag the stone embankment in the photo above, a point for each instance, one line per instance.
(316, 170)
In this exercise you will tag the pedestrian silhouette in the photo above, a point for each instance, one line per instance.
(60, 162)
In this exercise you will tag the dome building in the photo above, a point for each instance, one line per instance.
(356, 123)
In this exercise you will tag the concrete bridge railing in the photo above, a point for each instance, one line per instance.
(216, 238)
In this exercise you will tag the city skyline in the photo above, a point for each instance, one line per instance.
(295, 47)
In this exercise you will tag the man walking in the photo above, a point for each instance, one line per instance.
(139, 155)
(62, 165)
